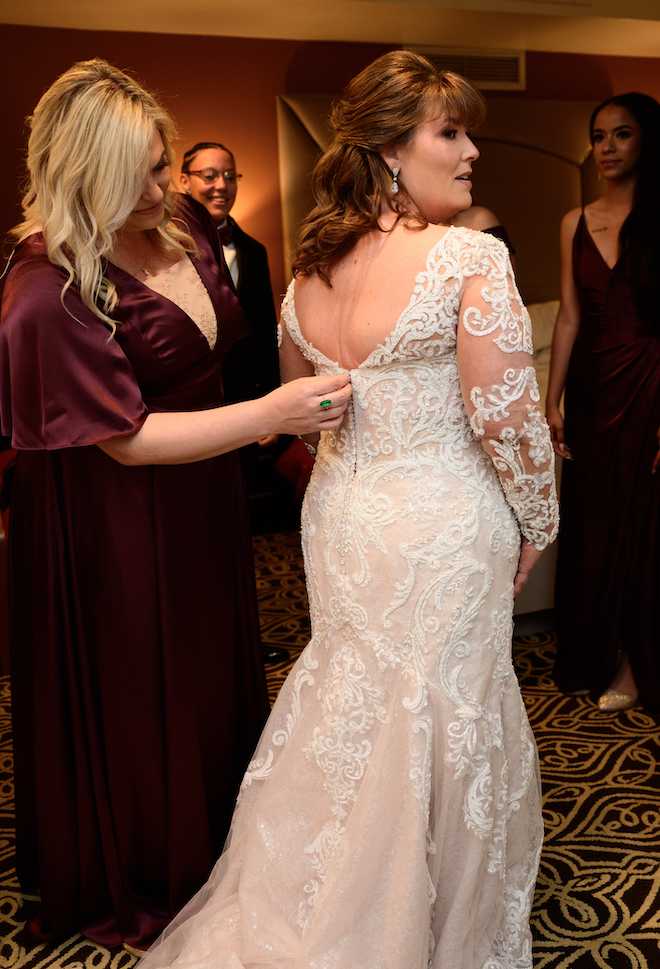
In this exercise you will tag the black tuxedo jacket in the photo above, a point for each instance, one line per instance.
(251, 367)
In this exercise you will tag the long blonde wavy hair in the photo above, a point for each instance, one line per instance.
(88, 161)
(380, 108)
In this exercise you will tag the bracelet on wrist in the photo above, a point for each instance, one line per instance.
(310, 447)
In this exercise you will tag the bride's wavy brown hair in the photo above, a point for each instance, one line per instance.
(380, 108)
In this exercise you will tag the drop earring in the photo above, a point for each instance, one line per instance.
(395, 184)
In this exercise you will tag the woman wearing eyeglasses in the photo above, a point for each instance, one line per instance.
(251, 369)
(137, 676)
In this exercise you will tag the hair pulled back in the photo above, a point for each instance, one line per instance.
(640, 252)
(189, 156)
(379, 108)
(88, 160)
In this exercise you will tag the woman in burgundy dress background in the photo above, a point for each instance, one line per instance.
(606, 353)
(137, 676)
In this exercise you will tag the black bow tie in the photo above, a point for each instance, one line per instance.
(225, 232)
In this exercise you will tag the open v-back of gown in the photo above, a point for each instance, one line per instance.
(391, 814)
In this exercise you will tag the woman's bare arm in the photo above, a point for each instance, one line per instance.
(566, 330)
(181, 438)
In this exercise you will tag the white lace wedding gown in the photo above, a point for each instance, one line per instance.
(391, 818)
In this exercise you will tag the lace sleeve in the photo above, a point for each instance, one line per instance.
(498, 382)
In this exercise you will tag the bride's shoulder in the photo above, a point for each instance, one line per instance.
(288, 298)
(461, 236)
(467, 247)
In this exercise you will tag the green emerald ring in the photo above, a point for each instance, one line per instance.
(326, 403)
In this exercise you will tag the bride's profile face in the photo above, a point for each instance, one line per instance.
(435, 166)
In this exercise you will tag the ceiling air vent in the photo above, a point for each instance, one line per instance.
(502, 70)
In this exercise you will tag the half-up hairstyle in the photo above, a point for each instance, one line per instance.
(379, 109)
(640, 252)
(88, 161)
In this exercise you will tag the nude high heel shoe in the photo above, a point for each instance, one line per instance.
(615, 698)
(612, 701)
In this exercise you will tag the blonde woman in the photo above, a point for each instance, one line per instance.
(391, 814)
(136, 670)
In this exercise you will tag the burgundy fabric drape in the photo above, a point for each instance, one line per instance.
(137, 675)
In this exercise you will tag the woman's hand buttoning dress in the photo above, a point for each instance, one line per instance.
(137, 677)
(606, 356)
(391, 813)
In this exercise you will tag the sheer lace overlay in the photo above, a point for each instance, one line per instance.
(391, 818)
(182, 285)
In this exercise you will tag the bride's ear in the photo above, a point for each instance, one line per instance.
(390, 156)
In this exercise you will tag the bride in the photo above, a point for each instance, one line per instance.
(391, 814)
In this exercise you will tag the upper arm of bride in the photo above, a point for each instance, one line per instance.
(292, 362)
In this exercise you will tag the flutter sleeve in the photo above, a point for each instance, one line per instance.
(64, 382)
(498, 382)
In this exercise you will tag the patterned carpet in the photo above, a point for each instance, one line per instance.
(597, 902)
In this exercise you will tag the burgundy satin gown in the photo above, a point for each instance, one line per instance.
(137, 676)
(608, 573)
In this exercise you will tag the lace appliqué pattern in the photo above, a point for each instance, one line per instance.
(415, 830)
(181, 284)
(417, 462)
